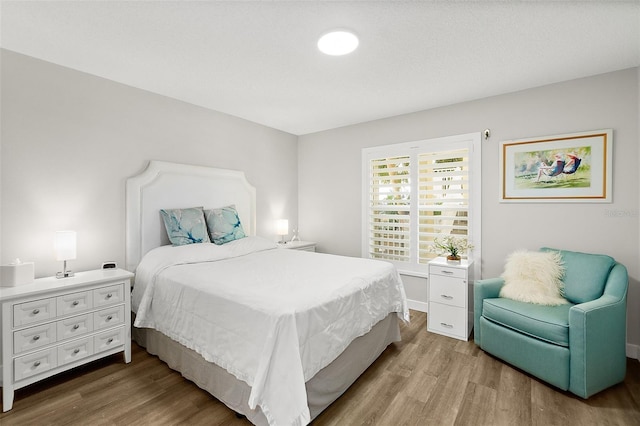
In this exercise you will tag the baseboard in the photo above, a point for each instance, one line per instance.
(633, 351)
(416, 305)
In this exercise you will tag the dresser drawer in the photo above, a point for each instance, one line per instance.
(106, 296)
(447, 271)
(447, 319)
(36, 363)
(109, 339)
(74, 302)
(34, 337)
(108, 317)
(32, 312)
(75, 326)
(450, 291)
(75, 350)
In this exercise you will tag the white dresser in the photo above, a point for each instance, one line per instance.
(53, 325)
(450, 298)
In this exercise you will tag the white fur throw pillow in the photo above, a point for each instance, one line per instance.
(534, 277)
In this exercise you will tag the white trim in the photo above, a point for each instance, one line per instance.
(633, 351)
(417, 305)
(162, 185)
(417, 274)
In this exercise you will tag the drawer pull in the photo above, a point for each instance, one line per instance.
(444, 324)
(444, 296)
(36, 338)
(109, 295)
(75, 303)
(36, 311)
(36, 364)
(110, 340)
(447, 272)
(76, 326)
(110, 317)
(76, 351)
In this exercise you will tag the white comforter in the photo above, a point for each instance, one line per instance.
(271, 317)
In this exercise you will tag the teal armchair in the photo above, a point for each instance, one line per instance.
(579, 347)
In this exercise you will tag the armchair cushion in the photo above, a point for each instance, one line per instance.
(534, 277)
(548, 323)
(585, 274)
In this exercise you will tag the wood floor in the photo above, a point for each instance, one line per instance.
(426, 379)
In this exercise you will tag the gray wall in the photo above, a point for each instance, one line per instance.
(330, 177)
(70, 140)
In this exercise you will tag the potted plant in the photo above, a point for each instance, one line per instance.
(452, 246)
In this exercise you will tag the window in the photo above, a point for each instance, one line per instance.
(417, 191)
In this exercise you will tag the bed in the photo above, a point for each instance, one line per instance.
(276, 335)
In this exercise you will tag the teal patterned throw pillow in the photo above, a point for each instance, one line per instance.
(185, 226)
(224, 224)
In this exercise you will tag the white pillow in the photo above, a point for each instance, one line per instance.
(534, 277)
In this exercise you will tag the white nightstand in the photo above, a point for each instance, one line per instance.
(450, 298)
(53, 325)
(299, 245)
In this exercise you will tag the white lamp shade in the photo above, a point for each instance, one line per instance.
(65, 245)
(282, 227)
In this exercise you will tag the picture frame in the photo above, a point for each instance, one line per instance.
(569, 168)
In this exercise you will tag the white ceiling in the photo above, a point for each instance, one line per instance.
(259, 61)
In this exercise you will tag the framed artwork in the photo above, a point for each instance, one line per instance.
(563, 168)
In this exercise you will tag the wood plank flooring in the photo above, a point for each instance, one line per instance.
(426, 379)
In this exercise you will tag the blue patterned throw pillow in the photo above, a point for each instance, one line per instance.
(224, 224)
(185, 226)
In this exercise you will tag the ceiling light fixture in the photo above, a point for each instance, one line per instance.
(338, 42)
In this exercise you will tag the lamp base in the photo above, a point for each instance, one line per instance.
(65, 274)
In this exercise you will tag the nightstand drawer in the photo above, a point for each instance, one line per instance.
(32, 312)
(447, 319)
(109, 339)
(34, 337)
(450, 291)
(36, 363)
(75, 326)
(75, 350)
(74, 302)
(108, 295)
(447, 271)
(108, 317)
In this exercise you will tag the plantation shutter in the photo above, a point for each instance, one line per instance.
(389, 209)
(443, 192)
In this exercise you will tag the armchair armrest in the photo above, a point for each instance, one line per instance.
(597, 338)
(483, 289)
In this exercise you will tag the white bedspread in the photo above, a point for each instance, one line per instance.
(271, 317)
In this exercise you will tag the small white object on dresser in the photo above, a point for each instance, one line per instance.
(53, 325)
(299, 245)
(450, 298)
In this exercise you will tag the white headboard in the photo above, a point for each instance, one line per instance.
(166, 185)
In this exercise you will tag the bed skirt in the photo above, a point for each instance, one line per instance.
(322, 389)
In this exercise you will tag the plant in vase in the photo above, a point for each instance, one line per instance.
(452, 246)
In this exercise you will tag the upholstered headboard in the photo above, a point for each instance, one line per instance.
(164, 185)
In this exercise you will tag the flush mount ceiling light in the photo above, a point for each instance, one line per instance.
(338, 42)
